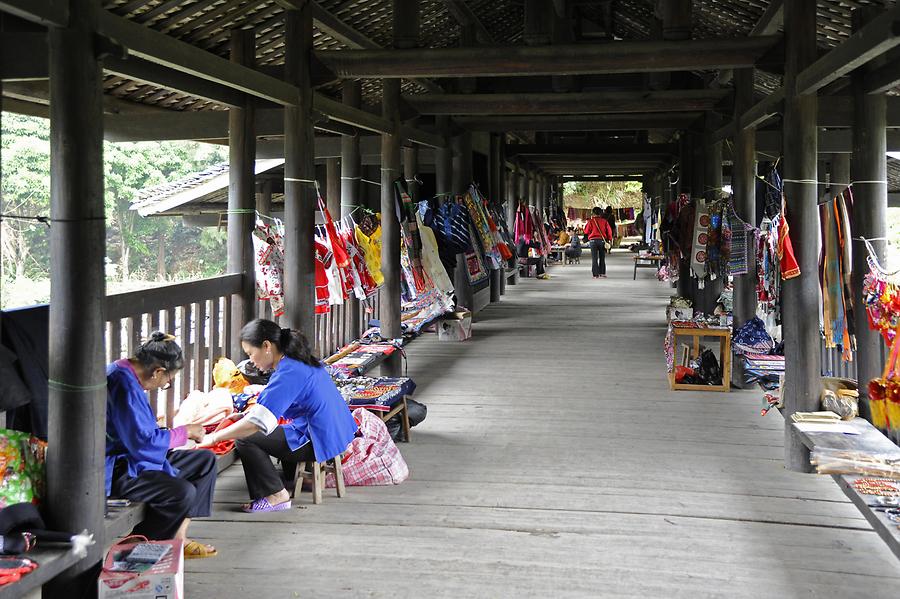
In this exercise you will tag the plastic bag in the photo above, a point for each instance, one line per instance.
(22, 459)
(840, 396)
(415, 411)
(227, 376)
(709, 370)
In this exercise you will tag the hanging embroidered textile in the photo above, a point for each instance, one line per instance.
(409, 231)
(524, 225)
(481, 228)
(268, 250)
(833, 275)
(371, 247)
(322, 262)
(743, 242)
(789, 267)
(881, 297)
(700, 239)
(475, 270)
(431, 259)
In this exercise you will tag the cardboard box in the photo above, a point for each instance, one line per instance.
(163, 580)
(455, 327)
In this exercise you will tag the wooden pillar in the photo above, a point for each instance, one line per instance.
(800, 296)
(333, 186)
(241, 195)
(712, 179)
(743, 184)
(411, 170)
(264, 197)
(685, 283)
(462, 177)
(443, 161)
(512, 187)
(495, 171)
(77, 389)
(299, 173)
(869, 171)
(351, 164)
(390, 226)
(351, 192)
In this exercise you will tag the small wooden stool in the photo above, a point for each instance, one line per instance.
(317, 475)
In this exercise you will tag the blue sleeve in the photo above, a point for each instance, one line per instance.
(131, 417)
(283, 388)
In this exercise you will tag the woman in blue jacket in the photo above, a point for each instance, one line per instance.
(319, 427)
(142, 463)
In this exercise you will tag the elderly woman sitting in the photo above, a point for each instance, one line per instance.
(142, 463)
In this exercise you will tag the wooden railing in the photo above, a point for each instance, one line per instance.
(197, 313)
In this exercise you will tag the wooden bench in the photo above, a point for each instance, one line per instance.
(869, 439)
(647, 262)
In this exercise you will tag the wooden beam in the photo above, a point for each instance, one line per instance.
(567, 104)
(145, 71)
(23, 56)
(352, 116)
(769, 24)
(329, 24)
(873, 40)
(884, 78)
(570, 59)
(587, 150)
(162, 49)
(42, 12)
(763, 110)
(464, 15)
(594, 122)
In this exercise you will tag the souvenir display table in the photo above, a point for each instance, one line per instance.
(696, 331)
(358, 358)
(648, 261)
(385, 396)
(875, 496)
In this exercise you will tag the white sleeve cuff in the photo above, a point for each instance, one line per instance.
(261, 416)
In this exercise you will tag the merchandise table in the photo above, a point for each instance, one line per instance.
(695, 332)
(870, 440)
(385, 396)
(651, 261)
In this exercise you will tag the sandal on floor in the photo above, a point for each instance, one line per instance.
(195, 550)
(262, 505)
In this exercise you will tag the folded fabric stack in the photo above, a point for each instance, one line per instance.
(375, 393)
(752, 338)
(764, 369)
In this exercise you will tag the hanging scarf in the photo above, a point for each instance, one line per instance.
(789, 266)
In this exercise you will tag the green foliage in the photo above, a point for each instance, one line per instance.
(133, 242)
(618, 194)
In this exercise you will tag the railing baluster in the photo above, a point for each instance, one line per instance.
(169, 325)
(215, 343)
(185, 314)
(200, 346)
(115, 340)
(226, 328)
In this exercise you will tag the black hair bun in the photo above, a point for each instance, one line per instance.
(158, 336)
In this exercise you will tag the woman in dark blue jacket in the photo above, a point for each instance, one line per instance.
(141, 461)
(319, 425)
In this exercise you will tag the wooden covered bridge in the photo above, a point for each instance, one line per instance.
(554, 461)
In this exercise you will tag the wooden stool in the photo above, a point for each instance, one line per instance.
(317, 475)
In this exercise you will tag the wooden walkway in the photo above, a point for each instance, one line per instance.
(555, 462)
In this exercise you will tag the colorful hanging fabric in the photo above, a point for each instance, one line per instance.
(371, 246)
(481, 227)
(524, 226)
(406, 210)
(431, 259)
(881, 297)
(339, 252)
(743, 242)
(475, 270)
(323, 257)
(268, 251)
(700, 240)
(788, 262)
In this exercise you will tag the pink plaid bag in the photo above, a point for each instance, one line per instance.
(372, 459)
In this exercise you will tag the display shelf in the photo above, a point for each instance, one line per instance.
(870, 440)
(723, 334)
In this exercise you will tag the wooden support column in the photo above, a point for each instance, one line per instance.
(712, 179)
(800, 296)
(869, 171)
(351, 163)
(685, 287)
(77, 389)
(462, 177)
(351, 192)
(411, 170)
(743, 183)
(495, 172)
(299, 173)
(333, 186)
(443, 162)
(241, 195)
(264, 197)
(390, 226)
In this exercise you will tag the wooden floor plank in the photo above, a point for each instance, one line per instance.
(555, 462)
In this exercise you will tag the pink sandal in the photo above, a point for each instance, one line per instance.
(262, 505)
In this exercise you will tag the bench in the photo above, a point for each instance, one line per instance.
(869, 439)
(647, 262)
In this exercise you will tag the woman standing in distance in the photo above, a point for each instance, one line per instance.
(598, 233)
